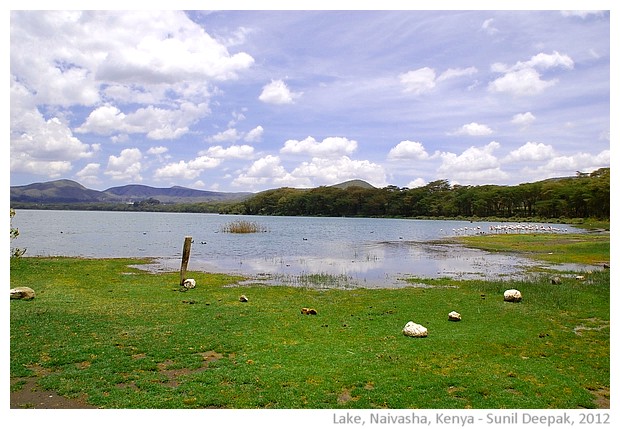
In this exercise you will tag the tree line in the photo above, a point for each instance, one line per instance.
(586, 195)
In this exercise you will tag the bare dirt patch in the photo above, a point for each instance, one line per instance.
(602, 398)
(30, 395)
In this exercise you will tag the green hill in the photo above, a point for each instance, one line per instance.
(354, 183)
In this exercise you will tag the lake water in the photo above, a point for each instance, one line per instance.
(347, 252)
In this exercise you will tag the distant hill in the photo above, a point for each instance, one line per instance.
(175, 194)
(354, 183)
(67, 191)
(57, 191)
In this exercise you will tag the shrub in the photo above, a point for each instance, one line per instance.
(15, 252)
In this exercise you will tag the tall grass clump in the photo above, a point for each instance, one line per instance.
(243, 227)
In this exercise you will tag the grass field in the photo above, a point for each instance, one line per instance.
(120, 337)
(589, 249)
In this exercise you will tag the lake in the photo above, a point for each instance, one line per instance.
(344, 252)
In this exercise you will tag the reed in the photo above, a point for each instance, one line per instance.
(243, 227)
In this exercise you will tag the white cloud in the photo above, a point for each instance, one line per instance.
(581, 161)
(417, 183)
(155, 74)
(72, 54)
(523, 78)
(267, 167)
(72, 86)
(568, 165)
(237, 37)
(266, 170)
(472, 158)
(474, 129)
(53, 169)
(254, 135)
(530, 151)
(323, 171)
(198, 184)
(582, 13)
(547, 61)
(176, 93)
(158, 150)
(203, 163)
(230, 135)
(425, 79)
(523, 120)
(418, 81)
(408, 150)
(38, 145)
(156, 123)
(89, 174)
(329, 147)
(237, 117)
(34, 136)
(456, 73)
(162, 47)
(119, 138)
(233, 135)
(126, 166)
(187, 170)
(277, 92)
(234, 151)
(105, 120)
(476, 165)
(521, 82)
(487, 27)
(48, 140)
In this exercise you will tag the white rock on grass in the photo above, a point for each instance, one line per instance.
(414, 330)
(454, 316)
(189, 283)
(512, 295)
(22, 292)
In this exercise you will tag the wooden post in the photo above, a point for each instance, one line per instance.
(187, 245)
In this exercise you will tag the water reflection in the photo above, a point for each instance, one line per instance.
(380, 265)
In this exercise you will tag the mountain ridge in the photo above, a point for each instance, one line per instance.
(68, 191)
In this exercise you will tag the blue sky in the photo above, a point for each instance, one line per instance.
(248, 100)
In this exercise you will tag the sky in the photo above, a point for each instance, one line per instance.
(249, 100)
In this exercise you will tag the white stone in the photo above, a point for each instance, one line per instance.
(512, 295)
(189, 283)
(414, 330)
(22, 292)
(454, 316)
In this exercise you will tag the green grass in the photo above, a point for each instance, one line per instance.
(590, 249)
(126, 338)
